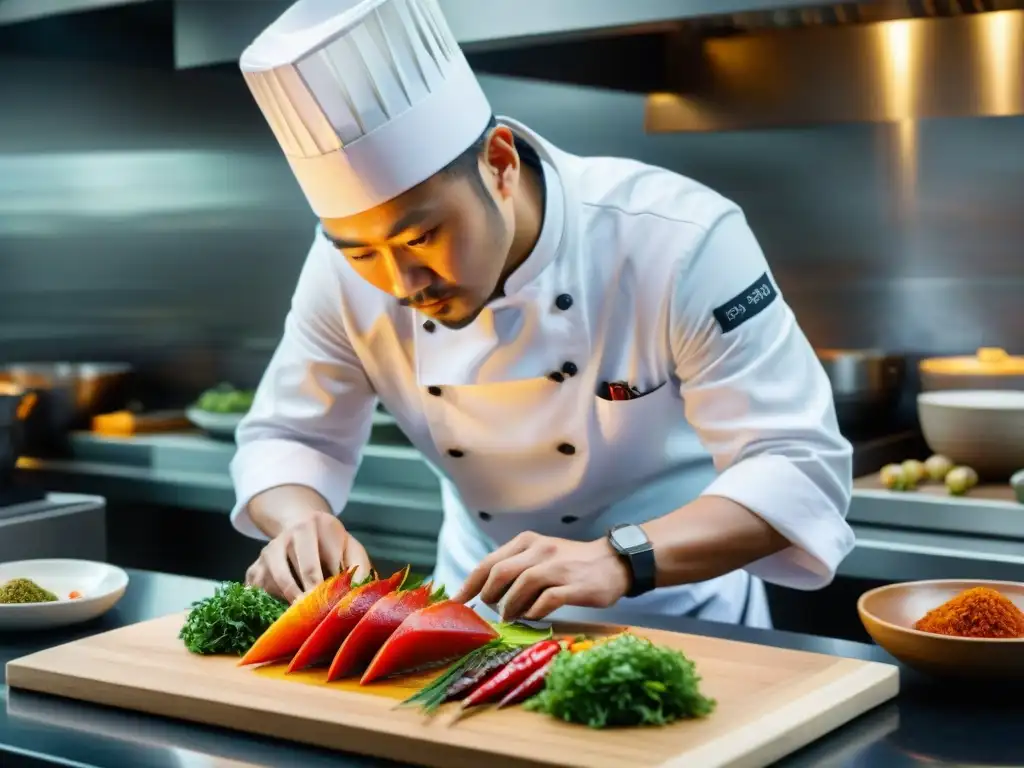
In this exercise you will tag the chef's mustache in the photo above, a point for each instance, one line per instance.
(428, 295)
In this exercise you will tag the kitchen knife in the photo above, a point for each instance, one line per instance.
(492, 612)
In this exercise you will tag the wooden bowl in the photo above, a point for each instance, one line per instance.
(890, 612)
(983, 429)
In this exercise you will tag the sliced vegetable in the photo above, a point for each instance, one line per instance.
(521, 635)
(74, 595)
(462, 676)
(445, 630)
(512, 674)
(468, 672)
(325, 640)
(286, 635)
(471, 679)
(531, 686)
(376, 626)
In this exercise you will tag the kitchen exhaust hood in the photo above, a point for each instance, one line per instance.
(710, 65)
(213, 32)
(883, 71)
(703, 64)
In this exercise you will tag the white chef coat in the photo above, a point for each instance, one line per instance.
(624, 283)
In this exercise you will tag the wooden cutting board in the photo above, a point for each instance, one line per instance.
(771, 702)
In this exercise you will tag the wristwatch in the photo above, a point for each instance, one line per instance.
(636, 549)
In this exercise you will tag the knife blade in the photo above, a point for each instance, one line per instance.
(492, 612)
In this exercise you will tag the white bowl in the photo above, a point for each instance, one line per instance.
(981, 428)
(100, 584)
(222, 425)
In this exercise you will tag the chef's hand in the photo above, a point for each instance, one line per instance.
(534, 575)
(311, 547)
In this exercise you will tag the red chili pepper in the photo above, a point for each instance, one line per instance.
(514, 673)
(530, 686)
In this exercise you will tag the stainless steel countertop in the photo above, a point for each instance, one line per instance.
(928, 724)
(899, 536)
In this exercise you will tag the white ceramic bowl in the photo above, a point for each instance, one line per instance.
(983, 429)
(100, 584)
(221, 425)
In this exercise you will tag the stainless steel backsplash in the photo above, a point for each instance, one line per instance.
(147, 215)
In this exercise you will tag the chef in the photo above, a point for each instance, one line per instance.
(592, 352)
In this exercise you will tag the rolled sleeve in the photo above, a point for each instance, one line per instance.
(762, 405)
(313, 409)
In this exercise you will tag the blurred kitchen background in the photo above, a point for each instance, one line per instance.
(148, 219)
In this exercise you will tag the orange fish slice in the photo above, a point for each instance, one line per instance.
(439, 632)
(286, 635)
(375, 627)
(326, 639)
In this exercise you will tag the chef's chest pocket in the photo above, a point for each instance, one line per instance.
(632, 432)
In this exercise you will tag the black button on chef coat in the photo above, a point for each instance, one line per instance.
(429, 326)
(435, 391)
(567, 448)
(563, 302)
(556, 377)
(570, 369)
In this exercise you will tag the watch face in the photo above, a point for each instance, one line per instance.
(629, 538)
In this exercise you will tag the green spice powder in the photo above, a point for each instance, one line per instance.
(25, 591)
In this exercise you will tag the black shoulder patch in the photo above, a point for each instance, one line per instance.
(754, 300)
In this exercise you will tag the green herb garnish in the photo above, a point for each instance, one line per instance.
(371, 576)
(414, 581)
(438, 595)
(627, 681)
(230, 621)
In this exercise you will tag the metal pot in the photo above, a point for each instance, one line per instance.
(866, 384)
(69, 395)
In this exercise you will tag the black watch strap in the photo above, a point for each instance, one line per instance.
(634, 547)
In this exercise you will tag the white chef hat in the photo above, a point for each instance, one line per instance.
(367, 98)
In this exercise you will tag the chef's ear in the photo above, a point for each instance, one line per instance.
(502, 159)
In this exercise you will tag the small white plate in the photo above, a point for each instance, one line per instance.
(100, 584)
(222, 425)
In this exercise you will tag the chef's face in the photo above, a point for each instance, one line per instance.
(443, 246)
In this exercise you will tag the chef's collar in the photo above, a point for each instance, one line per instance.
(546, 247)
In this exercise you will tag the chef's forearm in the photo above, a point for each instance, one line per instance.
(709, 537)
(278, 508)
